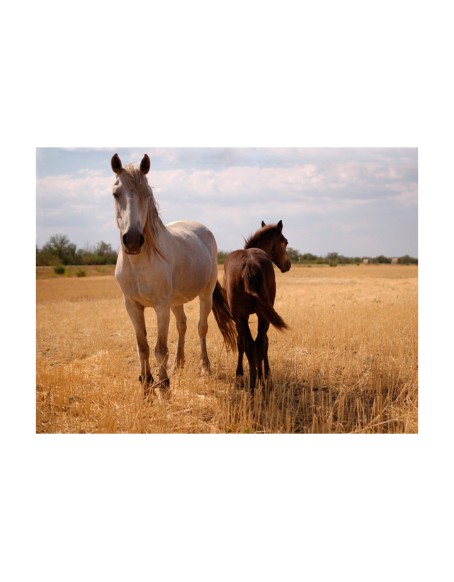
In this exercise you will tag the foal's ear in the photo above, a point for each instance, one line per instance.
(279, 226)
(263, 223)
(145, 165)
(116, 164)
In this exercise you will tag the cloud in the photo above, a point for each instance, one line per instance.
(342, 197)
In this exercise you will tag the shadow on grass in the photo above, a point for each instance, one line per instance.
(291, 405)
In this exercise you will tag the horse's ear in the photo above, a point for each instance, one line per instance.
(145, 165)
(263, 223)
(279, 226)
(116, 164)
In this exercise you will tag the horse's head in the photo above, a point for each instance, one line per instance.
(278, 247)
(131, 193)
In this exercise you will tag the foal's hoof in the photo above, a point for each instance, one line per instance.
(268, 385)
(239, 382)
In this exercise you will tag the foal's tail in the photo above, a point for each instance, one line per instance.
(224, 317)
(254, 285)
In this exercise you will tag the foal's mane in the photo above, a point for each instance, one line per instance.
(134, 179)
(263, 233)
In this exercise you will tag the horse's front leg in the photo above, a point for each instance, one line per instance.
(180, 318)
(137, 317)
(161, 350)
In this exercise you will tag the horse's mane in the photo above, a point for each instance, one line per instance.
(133, 177)
(263, 233)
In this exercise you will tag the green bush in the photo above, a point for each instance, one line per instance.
(81, 273)
(59, 269)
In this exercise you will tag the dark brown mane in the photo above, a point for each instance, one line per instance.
(255, 239)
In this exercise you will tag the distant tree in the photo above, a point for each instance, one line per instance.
(60, 249)
(407, 260)
(382, 260)
(103, 249)
(293, 255)
(333, 258)
(308, 258)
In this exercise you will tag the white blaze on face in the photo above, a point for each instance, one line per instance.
(130, 210)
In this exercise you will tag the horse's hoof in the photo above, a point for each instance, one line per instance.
(148, 380)
(147, 384)
(163, 389)
(148, 392)
(239, 381)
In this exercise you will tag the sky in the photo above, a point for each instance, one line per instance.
(354, 201)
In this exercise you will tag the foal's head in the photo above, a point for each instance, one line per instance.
(133, 197)
(270, 239)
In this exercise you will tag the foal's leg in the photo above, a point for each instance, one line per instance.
(137, 316)
(161, 351)
(206, 303)
(248, 345)
(239, 366)
(262, 348)
(180, 318)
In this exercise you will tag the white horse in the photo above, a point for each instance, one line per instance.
(164, 266)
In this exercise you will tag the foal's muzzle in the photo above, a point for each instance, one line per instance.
(133, 241)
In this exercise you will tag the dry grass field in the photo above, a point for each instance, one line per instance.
(348, 364)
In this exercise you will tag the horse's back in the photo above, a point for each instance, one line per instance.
(248, 273)
(252, 259)
(189, 231)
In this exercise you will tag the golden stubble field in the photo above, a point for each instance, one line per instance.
(349, 363)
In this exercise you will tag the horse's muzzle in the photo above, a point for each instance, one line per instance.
(133, 242)
(286, 267)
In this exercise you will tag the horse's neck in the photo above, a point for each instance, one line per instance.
(156, 234)
(265, 245)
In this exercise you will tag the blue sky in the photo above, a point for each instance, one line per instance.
(354, 201)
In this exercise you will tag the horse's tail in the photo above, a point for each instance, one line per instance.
(254, 285)
(224, 317)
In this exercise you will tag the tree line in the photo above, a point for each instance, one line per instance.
(60, 251)
(333, 259)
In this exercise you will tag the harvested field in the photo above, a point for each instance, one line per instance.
(348, 364)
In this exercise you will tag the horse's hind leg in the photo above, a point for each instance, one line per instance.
(180, 318)
(206, 303)
(239, 367)
(246, 344)
(137, 317)
(261, 343)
